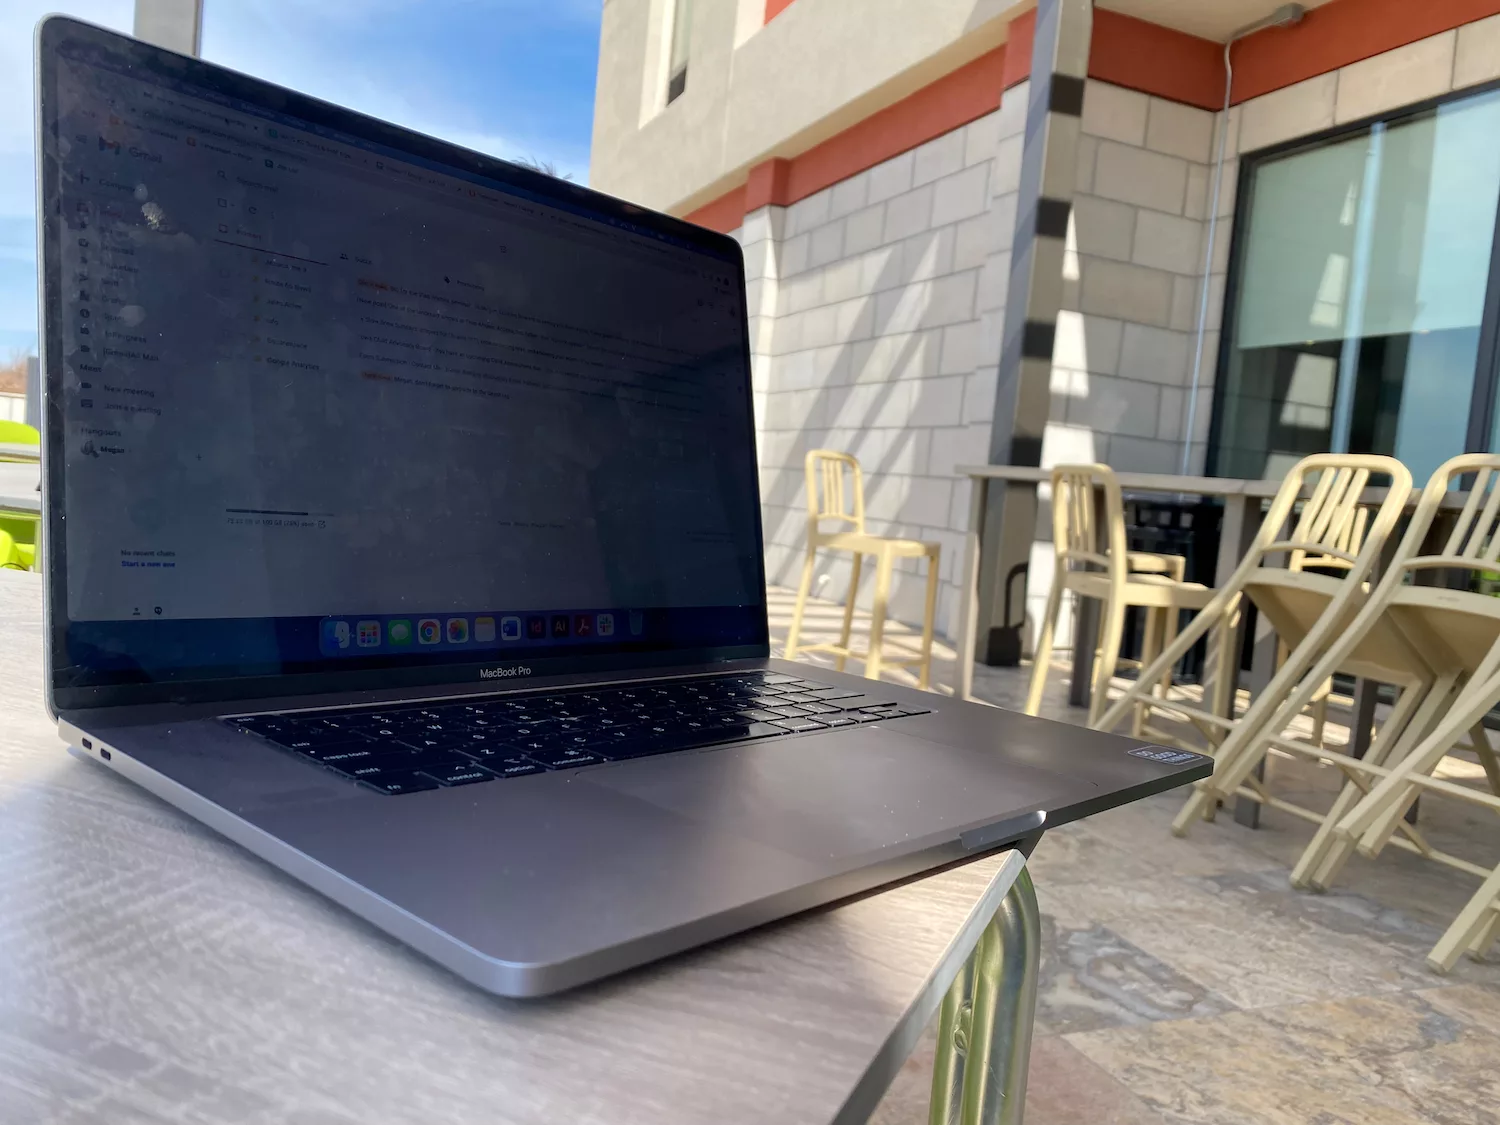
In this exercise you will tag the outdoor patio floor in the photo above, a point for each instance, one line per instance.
(1185, 981)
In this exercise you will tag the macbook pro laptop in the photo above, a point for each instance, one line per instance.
(402, 524)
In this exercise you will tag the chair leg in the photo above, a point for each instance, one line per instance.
(1042, 657)
(854, 571)
(1111, 630)
(877, 620)
(1320, 714)
(794, 634)
(1226, 670)
(1169, 626)
(929, 620)
(1324, 867)
(1473, 921)
(1394, 733)
(1487, 934)
(1150, 646)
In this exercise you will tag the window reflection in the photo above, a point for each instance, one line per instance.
(1361, 278)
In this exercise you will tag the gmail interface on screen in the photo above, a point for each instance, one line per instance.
(305, 376)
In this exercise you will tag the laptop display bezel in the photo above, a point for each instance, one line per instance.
(68, 688)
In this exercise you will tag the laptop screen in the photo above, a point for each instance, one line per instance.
(327, 396)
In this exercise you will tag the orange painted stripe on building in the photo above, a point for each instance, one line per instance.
(953, 100)
(774, 8)
(1018, 37)
(767, 183)
(1125, 51)
(1156, 60)
(1341, 33)
(723, 214)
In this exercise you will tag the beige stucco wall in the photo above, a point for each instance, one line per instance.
(818, 67)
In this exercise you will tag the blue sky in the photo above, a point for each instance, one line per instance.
(514, 78)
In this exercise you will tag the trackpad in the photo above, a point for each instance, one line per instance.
(836, 795)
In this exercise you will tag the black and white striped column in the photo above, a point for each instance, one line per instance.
(1059, 64)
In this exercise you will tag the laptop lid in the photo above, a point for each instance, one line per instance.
(333, 405)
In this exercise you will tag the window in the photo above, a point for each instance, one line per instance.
(682, 32)
(1360, 295)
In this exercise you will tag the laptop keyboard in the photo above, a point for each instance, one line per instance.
(408, 749)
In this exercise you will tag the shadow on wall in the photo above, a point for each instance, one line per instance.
(870, 403)
(872, 396)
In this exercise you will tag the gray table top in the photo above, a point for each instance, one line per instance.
(151, 971)
(1189, 485)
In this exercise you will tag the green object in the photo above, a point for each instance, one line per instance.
(10, 554)
(18, 433)
(399, 632)
(21, 531)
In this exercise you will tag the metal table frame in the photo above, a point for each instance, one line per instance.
(985, 1022)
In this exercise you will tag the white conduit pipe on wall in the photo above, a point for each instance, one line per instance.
(1284, 16)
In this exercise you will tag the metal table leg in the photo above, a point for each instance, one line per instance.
(987, 1016)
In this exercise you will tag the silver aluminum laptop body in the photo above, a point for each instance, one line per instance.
(345, 421)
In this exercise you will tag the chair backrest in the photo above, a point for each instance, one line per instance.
(18, 433)
(1474, 542)
(1075, 517)
(1330, 527)
(835, 489)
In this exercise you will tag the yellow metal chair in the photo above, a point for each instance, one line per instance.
(1457, 634)
(1118, 578)
(1328, 529)
(836, 494)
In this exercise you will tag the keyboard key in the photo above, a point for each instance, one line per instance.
(788, 712)
(349, 752)
(821, 709)
(638, 748)
(563, 758)
(397, 783)
(799, 697)
(836, 721)
(465, 774)
(307, 736)
(419, 741)
(372, 765)
(798, 724)
(761, 716)
(514, 767)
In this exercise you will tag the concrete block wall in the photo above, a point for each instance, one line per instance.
(1123, 359)
(885, 288)
(876, 305)
(1124, 352)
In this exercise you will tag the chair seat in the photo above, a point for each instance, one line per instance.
(1147, 590)
(874, 544)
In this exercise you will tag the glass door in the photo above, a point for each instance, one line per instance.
(1359, 293)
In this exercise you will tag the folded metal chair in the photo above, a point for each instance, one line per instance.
(1457, 633)
(1316, 521)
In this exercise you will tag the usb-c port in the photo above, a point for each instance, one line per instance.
(87, 745)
